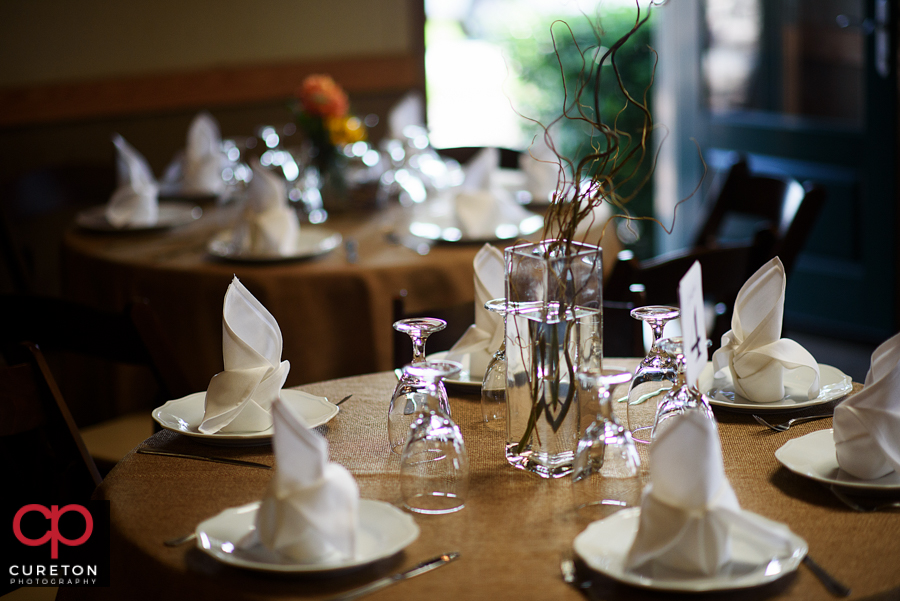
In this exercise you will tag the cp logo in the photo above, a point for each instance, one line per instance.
(53, 534)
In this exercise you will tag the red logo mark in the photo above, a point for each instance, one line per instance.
(53, 534)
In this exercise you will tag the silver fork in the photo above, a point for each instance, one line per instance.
(843, 498)
(783, 427)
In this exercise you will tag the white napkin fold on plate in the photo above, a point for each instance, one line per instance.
(484, 211)
(269, 225)
(310, 511)
(203, 157)
(409, 111)
(753, 349)
(690, 516)
(867, 425)
(240, 398)
(542, 170)
(135, 200)
(478, 343)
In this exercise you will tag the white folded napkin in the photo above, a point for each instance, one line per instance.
(310, 511)
(753, 349)
(542, 170)
(478, 343)
(480, 208)
(203, 157)
(239, 399)
(269, 225)
(409, 111)
(134, 201)
(690, 516)
(867, 425)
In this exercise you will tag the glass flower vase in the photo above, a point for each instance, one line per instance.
(554, 293)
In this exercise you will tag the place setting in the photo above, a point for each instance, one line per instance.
(134, 206)
(236, 408)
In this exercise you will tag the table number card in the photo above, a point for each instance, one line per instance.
(693, 323)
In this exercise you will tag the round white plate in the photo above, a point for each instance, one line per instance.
(813, 456)
(833, 384)
(383, 531)
(604, 546)
(464, 379)
(313, 241)
(171, 214)
(185, 415)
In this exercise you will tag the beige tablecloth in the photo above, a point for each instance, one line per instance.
(335, 315)
(510, 533)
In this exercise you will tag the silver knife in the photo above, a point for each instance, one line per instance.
(425, 566)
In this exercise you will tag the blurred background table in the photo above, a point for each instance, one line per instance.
(335, 311)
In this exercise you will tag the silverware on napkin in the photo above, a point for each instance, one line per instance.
(379, 584)
(241, 462)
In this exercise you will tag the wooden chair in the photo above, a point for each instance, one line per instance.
(67, 330)
(723, 267)
(775, 213)
(43, 453)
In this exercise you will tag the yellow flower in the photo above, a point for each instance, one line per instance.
(345, 130)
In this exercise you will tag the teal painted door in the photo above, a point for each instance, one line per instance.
(809, 88)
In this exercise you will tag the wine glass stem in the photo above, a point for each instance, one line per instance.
(418, 342)
(656, 327)
(605, 410)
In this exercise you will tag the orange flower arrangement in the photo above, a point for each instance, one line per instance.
(322, 113)
(321, 96)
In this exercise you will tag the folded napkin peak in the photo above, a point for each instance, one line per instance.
(478, 343)
(310, 511)
(866, 425)
(204, 159)
(753, 350)
(135, 200)
(239, 399)
(269, 225)
(690, 516)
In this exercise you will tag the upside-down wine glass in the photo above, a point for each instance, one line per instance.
(493, 387)
(410, 389)
(606, 475)
(682, 397)
(434, 465)
(654, 371)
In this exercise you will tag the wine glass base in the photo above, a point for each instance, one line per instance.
(435, 503)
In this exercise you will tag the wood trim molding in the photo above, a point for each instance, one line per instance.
(208, 88)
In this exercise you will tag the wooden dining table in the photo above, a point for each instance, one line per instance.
(511, 534)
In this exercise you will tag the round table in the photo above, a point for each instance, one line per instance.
(510, 534)
(335, 311)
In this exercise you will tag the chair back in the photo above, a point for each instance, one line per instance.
(62, 328)
(723, 269)
(41, 451)
(777, 213)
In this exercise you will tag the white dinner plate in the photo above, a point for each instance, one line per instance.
(604, 545)
(383, 531)
(833, 384)
(813, 456)
(185, 415)
(464, 379)
(312, 241)
(171, 214)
